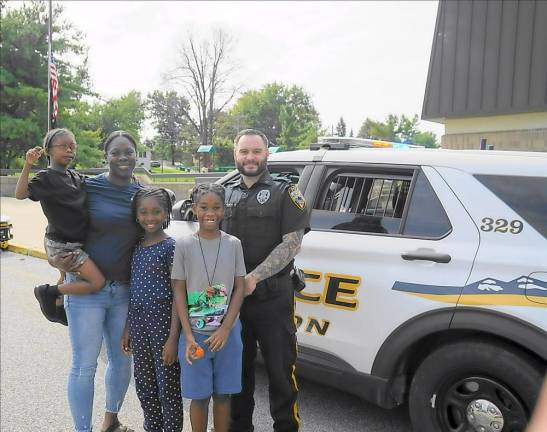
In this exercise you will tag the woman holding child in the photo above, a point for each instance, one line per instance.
(111, 211)
(111, 236)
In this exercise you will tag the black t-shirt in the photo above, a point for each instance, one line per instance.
(63, 200)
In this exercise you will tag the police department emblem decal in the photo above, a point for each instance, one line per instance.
(263, 196)
(296, 197)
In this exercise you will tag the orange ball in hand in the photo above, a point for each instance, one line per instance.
(198, 353)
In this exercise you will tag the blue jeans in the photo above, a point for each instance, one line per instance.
(92, 317)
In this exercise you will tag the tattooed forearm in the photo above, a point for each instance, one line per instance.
(283, 253)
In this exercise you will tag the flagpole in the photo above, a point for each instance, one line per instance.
(49, 70)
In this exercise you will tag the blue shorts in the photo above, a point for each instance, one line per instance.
(217, 372)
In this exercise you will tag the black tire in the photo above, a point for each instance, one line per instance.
(455, 375)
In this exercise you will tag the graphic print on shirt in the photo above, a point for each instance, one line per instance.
(207, 308)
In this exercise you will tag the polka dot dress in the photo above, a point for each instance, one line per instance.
(151, 299)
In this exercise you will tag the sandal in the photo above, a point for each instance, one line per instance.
(117, 427)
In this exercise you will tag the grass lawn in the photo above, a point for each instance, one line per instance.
(147, 179)
(166, 170)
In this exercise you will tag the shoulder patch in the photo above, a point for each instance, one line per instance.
(296, 197)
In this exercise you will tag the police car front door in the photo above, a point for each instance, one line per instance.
(382, 243)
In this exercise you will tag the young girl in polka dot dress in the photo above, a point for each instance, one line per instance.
(152, 328)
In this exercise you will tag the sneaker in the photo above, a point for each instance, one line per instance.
(47, 302)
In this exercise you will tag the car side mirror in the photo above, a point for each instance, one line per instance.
(182, 210)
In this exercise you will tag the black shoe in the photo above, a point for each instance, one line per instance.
(60, 315)
(47, 302)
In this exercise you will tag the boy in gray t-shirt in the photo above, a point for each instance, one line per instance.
(208, 267)
(208, 278)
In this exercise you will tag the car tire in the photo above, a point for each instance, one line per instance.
(474, 385)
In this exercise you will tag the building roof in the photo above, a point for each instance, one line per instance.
(206, 149)
(487, 58)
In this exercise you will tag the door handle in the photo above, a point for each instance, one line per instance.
(426, 255)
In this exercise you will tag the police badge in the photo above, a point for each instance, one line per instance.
(296, 197)
(263, 196)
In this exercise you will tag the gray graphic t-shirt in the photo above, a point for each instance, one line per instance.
(208, 303)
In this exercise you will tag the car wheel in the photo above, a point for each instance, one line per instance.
(474, 386)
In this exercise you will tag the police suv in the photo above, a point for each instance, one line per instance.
(426, 279)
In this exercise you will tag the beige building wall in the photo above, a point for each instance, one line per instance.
(524, 132)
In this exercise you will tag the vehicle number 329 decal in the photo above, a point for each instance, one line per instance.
(502, 225)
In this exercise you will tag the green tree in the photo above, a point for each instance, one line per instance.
(226, 129)
(23, 74)
(82, 121)
(427, 139)
(123, 113)
(397, 129)
(341, 128)
(166, 109)
(376, 130)
(284, 113)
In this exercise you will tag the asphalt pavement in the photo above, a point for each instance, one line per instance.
(35, 359)
(29, 223)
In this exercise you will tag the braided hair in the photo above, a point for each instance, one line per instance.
(162, 196)
(116, 134)
(205, 188)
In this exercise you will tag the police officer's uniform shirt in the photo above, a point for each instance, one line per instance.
(261, 215)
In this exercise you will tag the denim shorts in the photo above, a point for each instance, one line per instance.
(54, 247)
(217, 372)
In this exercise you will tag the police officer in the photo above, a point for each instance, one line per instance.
(270, 218)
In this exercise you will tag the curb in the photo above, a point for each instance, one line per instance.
(23, 250)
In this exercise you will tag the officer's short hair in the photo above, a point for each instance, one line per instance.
(252, 132)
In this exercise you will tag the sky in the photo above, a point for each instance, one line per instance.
(355, 59)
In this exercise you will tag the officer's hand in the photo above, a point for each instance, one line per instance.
(250, 284)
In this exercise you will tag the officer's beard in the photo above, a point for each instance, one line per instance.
(260, 168)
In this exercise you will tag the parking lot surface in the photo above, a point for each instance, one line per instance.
(35, 359)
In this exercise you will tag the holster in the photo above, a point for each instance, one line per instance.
(298, 279)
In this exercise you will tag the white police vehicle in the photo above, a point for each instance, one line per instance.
(426, 279)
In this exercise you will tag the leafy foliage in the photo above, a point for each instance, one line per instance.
(167, 111)
(397, 129)
(23, 74)
(123, 113)
(284, 113)
(341, 128)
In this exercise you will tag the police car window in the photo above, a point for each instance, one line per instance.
(290, 174)
(426, 216)
(362, 203)
(527, 196)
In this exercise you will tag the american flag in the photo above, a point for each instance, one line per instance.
(54, 89)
